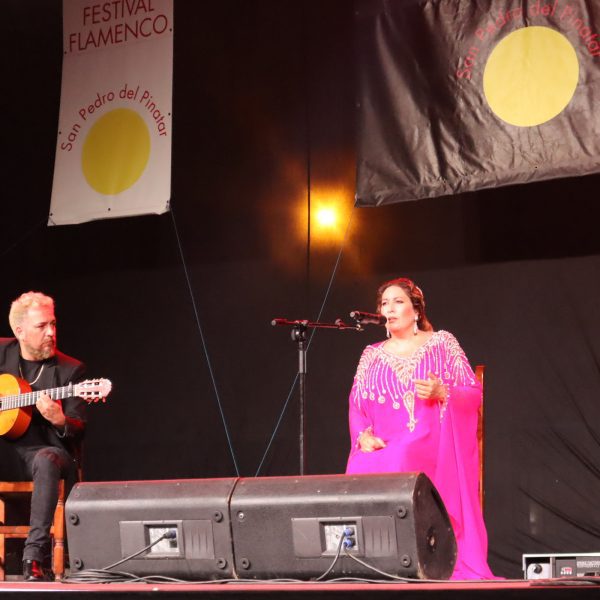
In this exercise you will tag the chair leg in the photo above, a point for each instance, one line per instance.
(2, 557)
(2, 542)
(58, 544)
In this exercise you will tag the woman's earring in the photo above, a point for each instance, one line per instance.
(415, 326)
(387, 333)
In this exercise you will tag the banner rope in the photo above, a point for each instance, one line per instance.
(19, 241)
(204, 345)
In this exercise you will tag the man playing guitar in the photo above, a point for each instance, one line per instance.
(48, 443)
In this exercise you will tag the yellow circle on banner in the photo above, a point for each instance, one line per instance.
(531, 76)
(116, 151)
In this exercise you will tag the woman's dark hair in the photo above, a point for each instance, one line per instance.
(413, 291)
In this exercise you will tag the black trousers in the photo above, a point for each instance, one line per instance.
(46, 466)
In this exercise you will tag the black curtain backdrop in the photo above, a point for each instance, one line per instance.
(263, 104)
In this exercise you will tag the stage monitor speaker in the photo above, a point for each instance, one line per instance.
(109, 521)
(292, 526)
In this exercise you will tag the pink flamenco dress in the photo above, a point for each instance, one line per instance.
(436, 437)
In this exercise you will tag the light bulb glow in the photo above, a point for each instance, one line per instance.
(326, 217)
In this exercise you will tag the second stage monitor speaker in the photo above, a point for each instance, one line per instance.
(292, 526)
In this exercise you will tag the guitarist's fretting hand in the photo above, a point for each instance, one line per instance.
(50, 410)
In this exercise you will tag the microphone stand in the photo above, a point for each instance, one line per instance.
(298, 334)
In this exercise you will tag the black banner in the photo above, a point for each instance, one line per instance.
(457, 95)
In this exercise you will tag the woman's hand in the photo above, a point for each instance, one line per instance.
(431, 388)
(367, 442)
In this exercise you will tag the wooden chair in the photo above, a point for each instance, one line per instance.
(479, 373)
(57, 531)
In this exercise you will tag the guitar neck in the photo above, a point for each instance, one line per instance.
(30, 398)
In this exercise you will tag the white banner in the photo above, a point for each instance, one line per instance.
(113, 154)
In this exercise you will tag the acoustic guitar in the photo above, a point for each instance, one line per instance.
(17, 400)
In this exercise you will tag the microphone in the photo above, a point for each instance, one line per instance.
(365, 318)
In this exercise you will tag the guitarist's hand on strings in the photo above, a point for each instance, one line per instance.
(50, 410)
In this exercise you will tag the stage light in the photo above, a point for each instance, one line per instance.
(330, 209)
(326, 217)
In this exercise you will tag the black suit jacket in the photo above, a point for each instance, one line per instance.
(60, 370)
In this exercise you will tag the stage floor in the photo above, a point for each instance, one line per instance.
(565, 588)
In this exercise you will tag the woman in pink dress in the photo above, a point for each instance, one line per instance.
(413, 407)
